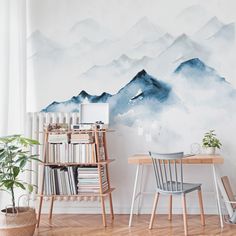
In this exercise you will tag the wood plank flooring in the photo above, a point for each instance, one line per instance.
(91, 225)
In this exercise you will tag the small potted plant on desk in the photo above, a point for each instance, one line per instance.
(211, 142)
(14, 155)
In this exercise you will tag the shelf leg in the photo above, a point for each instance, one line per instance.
(39, 211)
(111, 207)
(51, 207)
(103, 212)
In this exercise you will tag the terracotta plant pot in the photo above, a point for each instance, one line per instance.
(21, 223)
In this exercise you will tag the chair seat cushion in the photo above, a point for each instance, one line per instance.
(176, 188)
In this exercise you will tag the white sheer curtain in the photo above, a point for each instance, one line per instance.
(12, 70)
(12, 66)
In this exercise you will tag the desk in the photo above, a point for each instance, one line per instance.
(144, 159)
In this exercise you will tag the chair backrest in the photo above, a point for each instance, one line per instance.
(168, 171)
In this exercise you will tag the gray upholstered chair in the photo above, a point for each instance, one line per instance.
(168, 171)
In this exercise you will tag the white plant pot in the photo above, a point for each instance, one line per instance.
(210, 150)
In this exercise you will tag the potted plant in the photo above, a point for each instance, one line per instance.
(211, 142)
(14, 155)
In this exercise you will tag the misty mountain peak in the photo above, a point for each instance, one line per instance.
(192, 63)
(83, 94)
(141, 73)
(195, 69)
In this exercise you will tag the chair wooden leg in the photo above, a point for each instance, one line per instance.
(201, 206)
(185, 215)
(154, 210)
(170, 208)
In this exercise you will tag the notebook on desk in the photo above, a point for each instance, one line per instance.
(189, 155)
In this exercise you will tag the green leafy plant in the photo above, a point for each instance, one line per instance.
(14, 155)
(210, 140)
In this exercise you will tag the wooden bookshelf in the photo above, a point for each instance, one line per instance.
(67, 179)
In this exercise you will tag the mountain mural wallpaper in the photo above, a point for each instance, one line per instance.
(169, 75)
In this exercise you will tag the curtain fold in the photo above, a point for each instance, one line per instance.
(12, 71)
(12, 66)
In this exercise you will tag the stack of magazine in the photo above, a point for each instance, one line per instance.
(88, 180)
(82, 138)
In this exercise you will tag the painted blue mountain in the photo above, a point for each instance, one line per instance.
(72, 105)
(196, 71)
(145, 96)
(198, 84)
(143, 91)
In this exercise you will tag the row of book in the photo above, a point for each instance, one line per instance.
(72, 138)
(73, 180)
(72, 153)
(88, 180)
(60, 181)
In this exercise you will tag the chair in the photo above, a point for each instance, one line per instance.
(168, 171)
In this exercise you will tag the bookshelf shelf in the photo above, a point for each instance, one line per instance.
(78, 131)
(81, 194)
(79, 164)
(75, 164)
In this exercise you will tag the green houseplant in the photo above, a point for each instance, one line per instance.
(211, 142)
(14, 155)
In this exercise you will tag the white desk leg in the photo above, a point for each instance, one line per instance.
(217, 195)
(134, 195)
(140, 191)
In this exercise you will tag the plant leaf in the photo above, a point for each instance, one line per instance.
(18, 184)
(36, 159)
(23, 163)
(30, 188)
(16, 171)
(8, 183)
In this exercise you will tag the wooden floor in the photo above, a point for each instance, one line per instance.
(73, 225)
